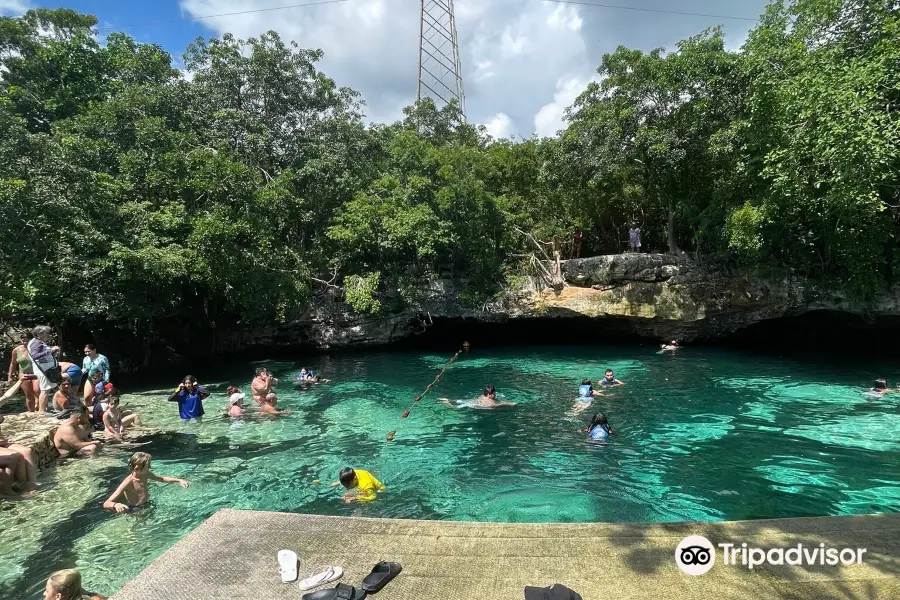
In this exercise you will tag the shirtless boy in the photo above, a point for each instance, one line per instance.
(134, 490)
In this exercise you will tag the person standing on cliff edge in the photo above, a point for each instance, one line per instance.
(634, 237)
(576, 244)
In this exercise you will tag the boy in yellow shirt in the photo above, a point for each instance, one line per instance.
(363, 481)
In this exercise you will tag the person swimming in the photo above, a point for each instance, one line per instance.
(673, 345)
(881, 387)
(488, 399)
(609, 378)
(879, 390)
(599, 429)
(586, 391)
(307, 376)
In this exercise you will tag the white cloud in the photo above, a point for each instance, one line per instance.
(511, 56)
(14, 7)
(565, 17)
(550, 118)
(483, 70)
(513, 52)
(500, 126)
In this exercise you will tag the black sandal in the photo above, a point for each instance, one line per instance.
(341, 592)
(381, 575)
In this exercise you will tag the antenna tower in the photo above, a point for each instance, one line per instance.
(440, 72)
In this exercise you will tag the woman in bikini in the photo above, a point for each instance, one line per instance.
(27, 378)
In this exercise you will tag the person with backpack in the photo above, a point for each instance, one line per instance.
(45, 364)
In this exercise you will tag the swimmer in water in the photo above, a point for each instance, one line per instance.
(881, 387)
(135, 490)
(235, 402)
(609, 378)
(599, 429)
(305, 377)
(488, 399)
(586, 395)
(673, 345)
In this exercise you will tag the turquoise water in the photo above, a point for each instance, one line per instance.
(706, 434)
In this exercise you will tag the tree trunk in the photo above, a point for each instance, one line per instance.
(670, 233)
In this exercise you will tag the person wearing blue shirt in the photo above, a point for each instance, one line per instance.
(189, 395)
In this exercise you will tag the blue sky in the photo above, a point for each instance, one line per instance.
(174, 37)
(524, 61)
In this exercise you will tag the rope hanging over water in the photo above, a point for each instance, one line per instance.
(405, 414)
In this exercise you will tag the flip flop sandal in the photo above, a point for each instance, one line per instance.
(328, 575)
(381, 575)
(287, 565)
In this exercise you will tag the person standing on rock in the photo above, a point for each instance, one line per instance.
(46, 367)
(634, 237)
(27, 379)
(576, 244)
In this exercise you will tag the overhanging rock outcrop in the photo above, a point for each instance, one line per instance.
(652, 295)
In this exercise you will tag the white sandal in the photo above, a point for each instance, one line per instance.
(327, 576)
(287, 565)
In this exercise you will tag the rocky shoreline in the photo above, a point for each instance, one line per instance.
(649, 295)
(36, 432)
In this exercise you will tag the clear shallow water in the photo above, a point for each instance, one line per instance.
(703, 435)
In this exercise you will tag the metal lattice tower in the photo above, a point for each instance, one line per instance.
(440, 72)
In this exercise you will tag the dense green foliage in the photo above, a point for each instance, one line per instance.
(133, 195)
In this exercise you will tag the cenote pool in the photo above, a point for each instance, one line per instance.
(706, 434)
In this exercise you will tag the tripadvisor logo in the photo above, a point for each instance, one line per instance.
(695, 555)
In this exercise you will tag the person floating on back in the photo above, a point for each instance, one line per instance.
(363, 482)
(673, 345)
(134, 490)
(306, 377)
(488, 399)
(599, 429)
(609, 378)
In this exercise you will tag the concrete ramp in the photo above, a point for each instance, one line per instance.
(232, 557)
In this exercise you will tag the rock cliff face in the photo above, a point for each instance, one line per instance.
(654, 295)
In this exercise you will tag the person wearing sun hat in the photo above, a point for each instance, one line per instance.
(235, 402)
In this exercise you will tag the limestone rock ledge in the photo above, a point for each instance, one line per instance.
(652, 295)
(35, 432)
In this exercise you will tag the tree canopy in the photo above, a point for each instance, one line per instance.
(133, 195)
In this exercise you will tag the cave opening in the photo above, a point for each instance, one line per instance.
(818, 332)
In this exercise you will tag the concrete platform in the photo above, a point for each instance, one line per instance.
(232, 557)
